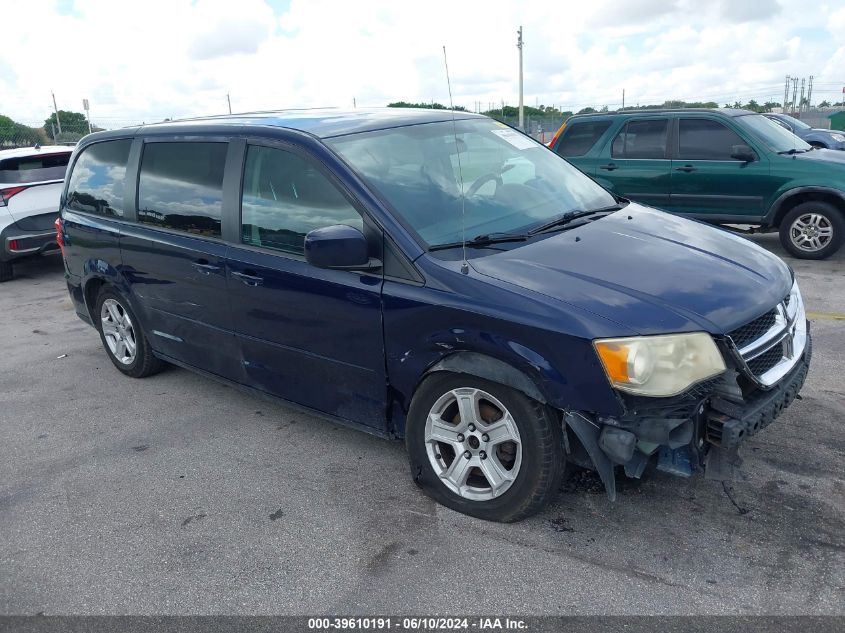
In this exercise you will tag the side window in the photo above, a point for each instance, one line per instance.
(181, 186)
(284, 197)
(645, 138)
(703, 139)
(34, 168)
(580, 137)
(97, 181)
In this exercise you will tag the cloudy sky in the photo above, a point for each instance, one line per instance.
(147, 60)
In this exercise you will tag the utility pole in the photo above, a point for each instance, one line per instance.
(794, 93)
(87, 113)
(801, 102)
(810, 93)
(354, 103)
(58, 123)
(229, 101)
(786, 93)
(623, 98)
(519, 46)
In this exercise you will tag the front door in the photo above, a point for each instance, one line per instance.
(707, 181)
(638, 164)
(309, 335)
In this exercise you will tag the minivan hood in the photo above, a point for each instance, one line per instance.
(650, 272)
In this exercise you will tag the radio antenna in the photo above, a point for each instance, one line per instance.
(464, 263)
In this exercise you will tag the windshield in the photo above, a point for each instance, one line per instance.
(796, 123)
(511, 183)
(778, 139)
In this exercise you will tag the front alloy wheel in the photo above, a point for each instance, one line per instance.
(483, 448)
(813, 230)
(473, 444)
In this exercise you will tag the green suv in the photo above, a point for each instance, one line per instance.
(720, 166)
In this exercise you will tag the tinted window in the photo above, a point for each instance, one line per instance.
(580, 137)
(284, 197)
(181, 186)
(701, 139)
(642, 139)
(97, 181)
(34, 168)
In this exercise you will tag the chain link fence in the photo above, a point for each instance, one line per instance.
(542, 128)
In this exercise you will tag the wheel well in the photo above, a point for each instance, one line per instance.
(800, 198)
(818, 144)
(92, 289)
(489, 368)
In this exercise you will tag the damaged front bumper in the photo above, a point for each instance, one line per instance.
(700, 430)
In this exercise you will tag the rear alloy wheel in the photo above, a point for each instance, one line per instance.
(482, 448)
(122, 336)
(812, 230)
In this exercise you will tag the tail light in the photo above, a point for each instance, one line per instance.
(6, 194)
(60, 239)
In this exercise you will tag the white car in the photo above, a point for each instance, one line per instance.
(30, 187)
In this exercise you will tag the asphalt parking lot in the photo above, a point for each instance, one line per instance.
(176, 495)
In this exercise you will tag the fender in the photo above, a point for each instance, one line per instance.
(489, 368)
(588, 433)
(777, 205)
(97, 272)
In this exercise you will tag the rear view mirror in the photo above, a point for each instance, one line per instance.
(339, 247)
(743, 153)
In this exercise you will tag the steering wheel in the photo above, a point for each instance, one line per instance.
(483, 180)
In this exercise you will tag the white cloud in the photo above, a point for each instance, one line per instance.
(172, 58)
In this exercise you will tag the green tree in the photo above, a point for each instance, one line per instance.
(824, 104)
(72, 123)
(587, 110)
(13, 133)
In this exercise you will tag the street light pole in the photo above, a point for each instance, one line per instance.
(519, 46)
(229, 101)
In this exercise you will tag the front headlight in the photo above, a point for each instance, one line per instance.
(659, 366)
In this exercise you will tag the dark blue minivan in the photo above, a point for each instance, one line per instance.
(438, 277)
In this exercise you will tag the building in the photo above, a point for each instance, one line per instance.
(837, 120)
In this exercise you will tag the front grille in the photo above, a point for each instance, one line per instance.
(750, 332)
(765, 361)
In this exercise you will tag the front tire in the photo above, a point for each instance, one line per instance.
(482, 448)
(122, 337)
(812, 230)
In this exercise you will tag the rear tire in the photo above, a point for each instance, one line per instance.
(6, 271)
(813, 230)
(122, 336)
(503, 465)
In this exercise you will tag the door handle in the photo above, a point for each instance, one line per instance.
(686, 168)
(609, 166)
(205, 268)
(249, 280)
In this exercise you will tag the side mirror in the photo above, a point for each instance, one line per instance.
(339, 247)
(743, 153)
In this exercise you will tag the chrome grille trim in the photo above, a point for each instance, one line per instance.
(789, 332)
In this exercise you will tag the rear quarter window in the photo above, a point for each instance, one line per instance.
(580, 137)
(98, 178)
(37, 168)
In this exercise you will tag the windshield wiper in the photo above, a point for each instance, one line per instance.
(569, 216)
(794, 151)
(483, 240)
